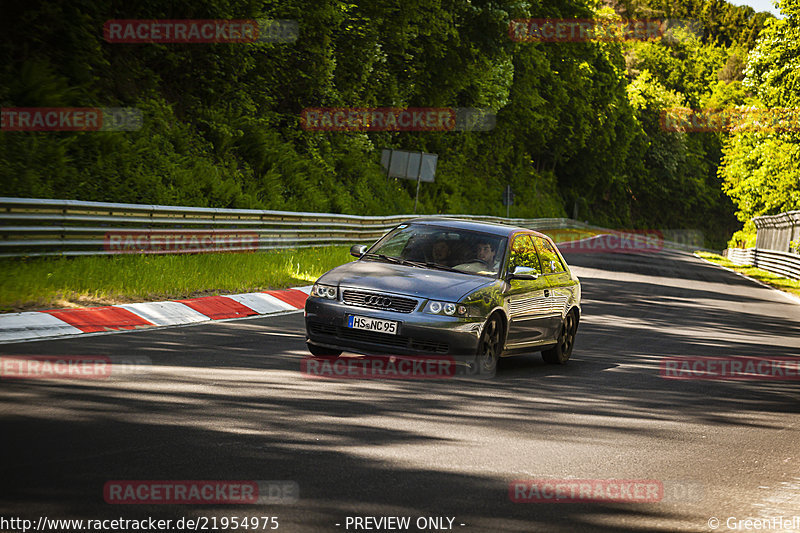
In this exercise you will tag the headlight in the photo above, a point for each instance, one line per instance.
(324, 291)
(446, 308)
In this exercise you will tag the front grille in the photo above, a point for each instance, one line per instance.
(382, 339)
(373, 337)
(322, 329)
(429, 346)
(374, 300)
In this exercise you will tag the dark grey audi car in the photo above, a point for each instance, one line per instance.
(448, 287)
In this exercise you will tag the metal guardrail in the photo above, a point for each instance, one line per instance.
(741, 256)
(40, 227)
(772, 252)
(781, 263)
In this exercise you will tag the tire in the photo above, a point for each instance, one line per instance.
(490, 346)
(560, 353)
(321, 351)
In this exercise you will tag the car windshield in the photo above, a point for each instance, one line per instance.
(443, 248)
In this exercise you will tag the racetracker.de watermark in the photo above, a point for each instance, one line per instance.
(560, 30)
(131, 31)
(685, 237)
(730, 120)
(586, 491)
(737, 368)
(621, 241)
(366, 119)
(70, 367)
(192, 492)
(178, 241)
(70, 119)
(606, 491)
(383, 367)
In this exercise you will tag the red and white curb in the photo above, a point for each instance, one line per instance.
(35, 325)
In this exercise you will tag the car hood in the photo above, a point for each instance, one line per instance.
(407, 280)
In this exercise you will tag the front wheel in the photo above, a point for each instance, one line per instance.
(489, 346)
(559, 354)
(321, 351)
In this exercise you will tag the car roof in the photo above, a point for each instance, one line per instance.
(492, 228)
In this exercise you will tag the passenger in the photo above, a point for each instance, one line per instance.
(441, 252)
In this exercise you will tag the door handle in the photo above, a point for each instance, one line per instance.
(546, 293)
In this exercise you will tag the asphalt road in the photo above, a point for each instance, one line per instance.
(227, 401)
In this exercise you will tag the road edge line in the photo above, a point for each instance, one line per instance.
(790, 296)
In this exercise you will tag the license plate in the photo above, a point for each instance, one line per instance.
(372, 324)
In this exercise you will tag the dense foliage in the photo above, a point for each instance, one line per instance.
(577, 123)
(761, 169)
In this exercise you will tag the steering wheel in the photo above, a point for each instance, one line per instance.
(473, 261)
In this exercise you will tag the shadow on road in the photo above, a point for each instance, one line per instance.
(227, 402)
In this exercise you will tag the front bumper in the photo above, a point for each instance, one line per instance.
(419, 333)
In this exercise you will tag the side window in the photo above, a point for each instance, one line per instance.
(551, 263)
(523, 253)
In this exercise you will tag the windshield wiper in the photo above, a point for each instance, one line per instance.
(441, 267)
(388, 258)
(418, 264)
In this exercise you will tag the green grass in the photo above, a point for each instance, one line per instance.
(774, 280)
(570, 234)
(46, 283)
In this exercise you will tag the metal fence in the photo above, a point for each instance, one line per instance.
(777, 232)
(773, 251)
(40, 227)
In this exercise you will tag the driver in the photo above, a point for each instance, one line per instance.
(484, 251)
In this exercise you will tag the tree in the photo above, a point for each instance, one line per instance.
(761, 169)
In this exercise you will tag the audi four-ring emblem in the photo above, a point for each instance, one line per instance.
(378, 301)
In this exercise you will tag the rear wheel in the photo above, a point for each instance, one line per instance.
(321, 351)
(489, 346)
(559, 354)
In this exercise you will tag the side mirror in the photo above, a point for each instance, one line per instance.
(357, 250)
(522, 272)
